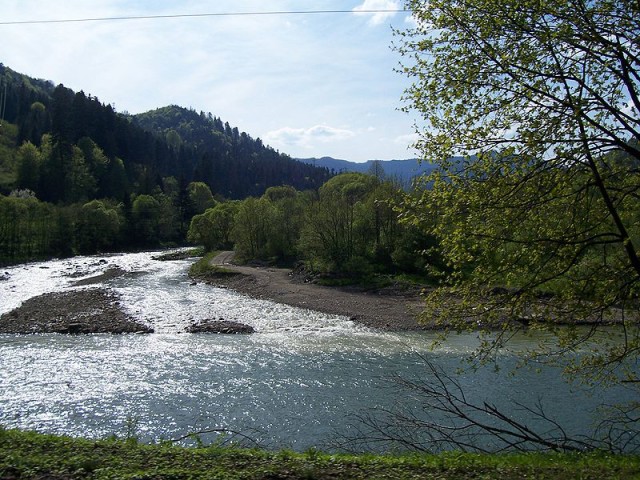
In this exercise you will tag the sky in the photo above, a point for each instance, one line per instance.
(307, 85)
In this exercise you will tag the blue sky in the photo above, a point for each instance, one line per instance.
(308, 85)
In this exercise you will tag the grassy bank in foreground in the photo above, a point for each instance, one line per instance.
(35, 456)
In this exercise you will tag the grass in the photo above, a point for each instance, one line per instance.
(35, 456)
(203, 269)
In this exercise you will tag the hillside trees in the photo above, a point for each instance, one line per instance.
(28, 168)
(99, 226)
(232, 163)
(35, 124)
(200, 196)
(168, 142)
(213, 228)
(335, 228)
(70, 149)
(350, 226)
(28, 228)
(540, 221)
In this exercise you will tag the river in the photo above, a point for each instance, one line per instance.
(300, 381)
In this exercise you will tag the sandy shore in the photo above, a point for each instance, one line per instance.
(383, 309)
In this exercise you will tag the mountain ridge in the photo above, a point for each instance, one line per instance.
(169, 141)
(401, 170)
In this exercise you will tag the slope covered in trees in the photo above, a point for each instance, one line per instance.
(232, 163)
(76, 176)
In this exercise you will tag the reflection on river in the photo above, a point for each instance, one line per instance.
(292, 384)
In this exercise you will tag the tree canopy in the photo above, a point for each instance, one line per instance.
(539, 219)
(154, 170)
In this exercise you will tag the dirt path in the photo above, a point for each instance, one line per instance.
(383, 311)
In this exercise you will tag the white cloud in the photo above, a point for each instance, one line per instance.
(308, 137)
(407, 140)
(411, 21)
(258, 73)
(377, 18)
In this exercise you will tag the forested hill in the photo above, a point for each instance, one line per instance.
(78, 177)
(140, 150)
(231, 162)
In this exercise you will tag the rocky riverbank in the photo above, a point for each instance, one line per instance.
(220, 326)
(381, 309)
(73, 312)
(97, 310)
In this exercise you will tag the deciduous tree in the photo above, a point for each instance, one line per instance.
(253, 227)
(200, 196)
(540, 219)
(213, 228)
(29, 164)
(98, 226)
(331, 233)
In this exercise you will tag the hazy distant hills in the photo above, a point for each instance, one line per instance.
(402, 170)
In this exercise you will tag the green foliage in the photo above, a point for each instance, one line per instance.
(351, 227)
(173, 139)
(335, 225)
(538, 220)
(70, 149)
(8, 134)
(154, 219)
(213, 228)
(79, 183)
(30, 455)
(29, 165)
(35, 123)
(253, 226)
(99, 226)
(200, 196)
(354, 228)
(97, 165)
(115, 183)
(28, 228)
(231, 163)
(287, 212)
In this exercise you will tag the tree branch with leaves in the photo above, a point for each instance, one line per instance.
(530, 109)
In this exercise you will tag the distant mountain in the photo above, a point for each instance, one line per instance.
(401, 170)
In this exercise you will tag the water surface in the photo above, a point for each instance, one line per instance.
(296, 383)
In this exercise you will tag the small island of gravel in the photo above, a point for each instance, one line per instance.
(72, 312)
(220, 327)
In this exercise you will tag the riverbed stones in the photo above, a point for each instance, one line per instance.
(220, 326)
(108, 274)
(71, 312)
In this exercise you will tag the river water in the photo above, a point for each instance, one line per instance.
(300, 381)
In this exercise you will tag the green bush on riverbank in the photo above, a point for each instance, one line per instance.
(31, 455)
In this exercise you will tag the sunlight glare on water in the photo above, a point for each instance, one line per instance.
(294, 383)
